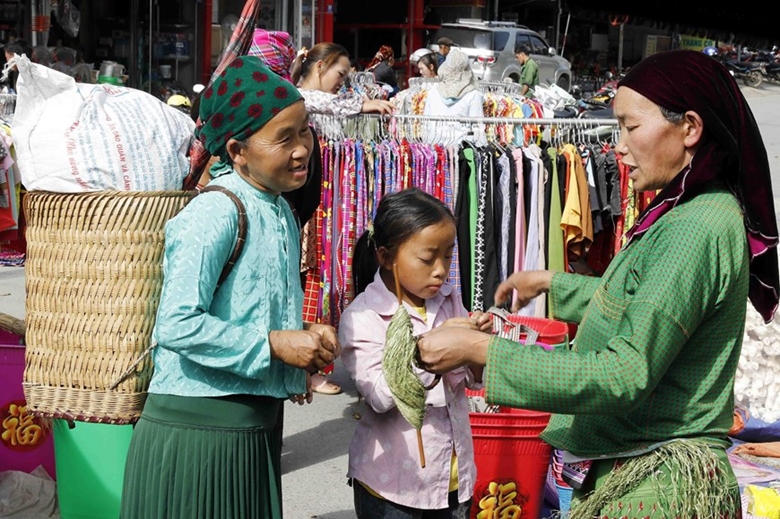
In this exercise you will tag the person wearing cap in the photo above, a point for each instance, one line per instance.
(529, 74)
(275, 49)
(445, 45)
(230, 351)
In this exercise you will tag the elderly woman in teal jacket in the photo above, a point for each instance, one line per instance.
(229, 354)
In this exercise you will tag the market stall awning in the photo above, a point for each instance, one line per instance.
(746, 24)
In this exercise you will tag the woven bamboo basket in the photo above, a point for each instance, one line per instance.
(93, 277)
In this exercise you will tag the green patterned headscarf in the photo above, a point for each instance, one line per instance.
(245, 96)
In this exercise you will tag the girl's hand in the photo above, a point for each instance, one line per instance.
(484, 321)
(378, 105)
(528, 284)
(305, 398)
(461, 322)
(476, 321)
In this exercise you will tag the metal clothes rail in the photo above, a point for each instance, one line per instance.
(380, 127)
(480, 120)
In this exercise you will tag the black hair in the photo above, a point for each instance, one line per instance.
(195, 108)
(524, 48)
(399, 217)
(429, 61)
(19, 47)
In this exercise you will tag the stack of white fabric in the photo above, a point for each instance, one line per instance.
(757, 385)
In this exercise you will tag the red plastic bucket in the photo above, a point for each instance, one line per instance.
(512, 462)
(512, 465)
(510, 417)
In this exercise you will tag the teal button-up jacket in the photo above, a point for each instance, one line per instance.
(214, 341)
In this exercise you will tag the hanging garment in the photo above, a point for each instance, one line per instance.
(480, 238)
(504, 214)
(577, 221)
(520, 211)
(532, 249)
(555, 239)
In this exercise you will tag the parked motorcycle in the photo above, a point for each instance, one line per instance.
(748, 71)
(771, 72)
(599, 101)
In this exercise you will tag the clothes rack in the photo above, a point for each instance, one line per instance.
(376, 126)
(369, 155)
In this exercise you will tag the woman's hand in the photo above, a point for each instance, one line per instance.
(328, 334)
(528, 284)
(303, 349)
(305, 398)
(378, 105)
(448, 347)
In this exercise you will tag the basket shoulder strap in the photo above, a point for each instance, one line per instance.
(242, 226)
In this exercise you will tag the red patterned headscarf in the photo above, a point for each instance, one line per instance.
(276, 50)
(732, 150)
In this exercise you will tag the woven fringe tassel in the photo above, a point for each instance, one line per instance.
(699, 486)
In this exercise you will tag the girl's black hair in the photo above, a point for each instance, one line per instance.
(399, 217)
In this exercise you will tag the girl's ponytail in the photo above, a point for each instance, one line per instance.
(364, 262)
(296, 69)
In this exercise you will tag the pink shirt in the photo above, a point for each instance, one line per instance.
(384, 454)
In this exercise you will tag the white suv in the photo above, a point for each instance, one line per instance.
(491, 50)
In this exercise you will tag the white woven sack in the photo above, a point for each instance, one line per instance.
(73, 137)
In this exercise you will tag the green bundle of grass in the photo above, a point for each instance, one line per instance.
(398, 367)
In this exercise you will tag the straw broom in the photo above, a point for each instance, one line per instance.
(397, 361)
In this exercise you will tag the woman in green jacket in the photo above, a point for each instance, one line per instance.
(643, 402)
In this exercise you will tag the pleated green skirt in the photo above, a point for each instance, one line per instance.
(209, 458)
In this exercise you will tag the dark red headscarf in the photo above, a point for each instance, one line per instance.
(732, 150)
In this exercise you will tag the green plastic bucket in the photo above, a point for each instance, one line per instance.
(90, 462)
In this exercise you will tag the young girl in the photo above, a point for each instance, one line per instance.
(415, 233)
(320, 73)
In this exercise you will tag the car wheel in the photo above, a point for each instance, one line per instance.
(514, 78)
(564, 82)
